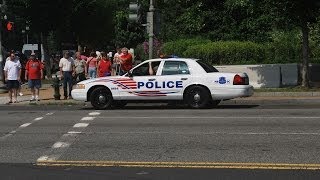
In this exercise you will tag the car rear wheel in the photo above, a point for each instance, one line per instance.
(101, 98)
(197, 97)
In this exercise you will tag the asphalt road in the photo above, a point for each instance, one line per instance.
(247, 141)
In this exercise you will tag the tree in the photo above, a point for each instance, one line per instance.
(299, 13)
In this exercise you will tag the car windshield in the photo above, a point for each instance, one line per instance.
(208, 68)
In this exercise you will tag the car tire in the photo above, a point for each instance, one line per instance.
(197, 97)
(101, 98)
(119, 104)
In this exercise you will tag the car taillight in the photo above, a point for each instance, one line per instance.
(238, 80)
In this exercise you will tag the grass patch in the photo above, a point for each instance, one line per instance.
(288, 89)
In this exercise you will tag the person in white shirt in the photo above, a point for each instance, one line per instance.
(66, 65)
(12, 73)
(116, 62)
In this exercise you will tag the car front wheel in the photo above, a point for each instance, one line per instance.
(101, 98)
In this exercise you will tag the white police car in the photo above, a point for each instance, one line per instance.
(191, 81)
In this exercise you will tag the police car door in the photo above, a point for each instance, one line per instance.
(146, 84)
(175, 76)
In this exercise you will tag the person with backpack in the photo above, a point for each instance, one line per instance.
(34, 74)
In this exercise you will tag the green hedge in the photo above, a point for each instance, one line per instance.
(284, 48)
(229, 52)
(180, 46)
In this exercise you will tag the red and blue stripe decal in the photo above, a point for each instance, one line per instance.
(127, 83)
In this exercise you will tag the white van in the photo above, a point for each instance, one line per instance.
(27, 49)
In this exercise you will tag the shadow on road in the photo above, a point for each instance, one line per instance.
(167, 107)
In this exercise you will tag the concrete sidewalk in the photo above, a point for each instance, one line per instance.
(46, 98)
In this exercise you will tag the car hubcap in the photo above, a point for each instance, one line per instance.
(197, 97)
(102, 98)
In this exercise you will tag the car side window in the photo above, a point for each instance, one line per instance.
(142, 70)
(175, 67)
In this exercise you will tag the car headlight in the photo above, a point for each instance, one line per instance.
(80, 86)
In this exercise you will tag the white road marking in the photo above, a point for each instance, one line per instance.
(74, 132)
(87, 118)
(49, 114)
(215, 133)
(38, 118)
(60, 145)
(25, 125)
(20, 127)
(210, 117)
(66, 140)
(5, 136)
(94, 113)
(43, 158)
(81, 125)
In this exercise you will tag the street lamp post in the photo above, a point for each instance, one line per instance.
(151, 33)
(27, 30)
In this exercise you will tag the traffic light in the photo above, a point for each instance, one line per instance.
(9, 26)
(134, 12)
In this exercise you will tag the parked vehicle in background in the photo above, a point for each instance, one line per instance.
(28, 49)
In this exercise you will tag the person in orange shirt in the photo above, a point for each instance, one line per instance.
(125, 61)
(34, 74)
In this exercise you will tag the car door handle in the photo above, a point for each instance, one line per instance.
(151, 79)
(183, 79)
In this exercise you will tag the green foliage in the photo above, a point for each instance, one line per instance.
(285, 47)
(127, 34)
(180, 46)
(228, 52)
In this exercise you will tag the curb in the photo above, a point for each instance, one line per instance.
(303, 101)
(286, 94)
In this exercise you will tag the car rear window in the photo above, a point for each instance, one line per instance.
(208, 68)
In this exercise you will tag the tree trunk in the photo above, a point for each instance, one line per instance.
(305, 54)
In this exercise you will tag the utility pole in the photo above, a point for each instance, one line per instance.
(151, 28)
(2, 10)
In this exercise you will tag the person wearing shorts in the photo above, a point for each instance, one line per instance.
(12, 73)
(34, 74)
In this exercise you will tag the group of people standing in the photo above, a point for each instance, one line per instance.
(72, 70)
(12, 74)
(98, 64)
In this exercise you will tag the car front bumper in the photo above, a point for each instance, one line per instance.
(79, 94)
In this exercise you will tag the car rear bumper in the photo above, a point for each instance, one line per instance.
(235, 92)
(79, 94)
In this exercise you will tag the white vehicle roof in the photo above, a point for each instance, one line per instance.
(173, 59)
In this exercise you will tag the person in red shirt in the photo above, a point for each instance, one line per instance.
(125, 61)
(104, 66)
(34, 74)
